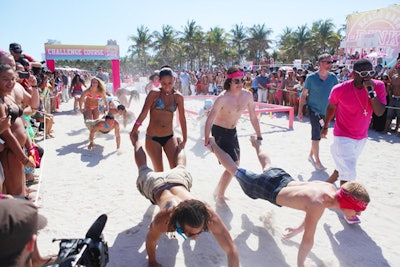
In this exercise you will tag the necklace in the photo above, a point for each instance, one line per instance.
(359, 101)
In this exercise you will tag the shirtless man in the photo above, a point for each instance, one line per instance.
(223, 118)
(394, 105)
(179, 211)
(117, 109)
(279, 188)
(104, 126)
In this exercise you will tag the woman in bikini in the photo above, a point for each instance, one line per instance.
(90, 98)
(77, 86)
(13, 157)
(162, 104)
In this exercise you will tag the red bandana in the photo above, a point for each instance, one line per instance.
(236, 74)
(347, 201)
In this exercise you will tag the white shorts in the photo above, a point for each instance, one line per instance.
(345, 152)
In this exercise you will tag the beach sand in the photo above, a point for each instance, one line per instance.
(78, 185)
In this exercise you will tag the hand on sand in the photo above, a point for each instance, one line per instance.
(290, 232)
(90, 146)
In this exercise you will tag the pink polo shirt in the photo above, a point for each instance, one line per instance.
(351, 102)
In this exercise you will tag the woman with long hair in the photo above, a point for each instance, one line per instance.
(91, 97)
(162, 104)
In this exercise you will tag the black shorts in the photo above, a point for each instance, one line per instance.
(227, 140)
(316, 125)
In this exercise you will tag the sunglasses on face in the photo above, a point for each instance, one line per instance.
(182, 233)
(365, 73)
(237, 81)
(327, 61)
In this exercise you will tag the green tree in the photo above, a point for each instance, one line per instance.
(258, 41)
(239, 37)
(165, 45)
(141, 43)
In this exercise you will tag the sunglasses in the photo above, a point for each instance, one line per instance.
(237, 81)
(182, 233)
(365, 73)
(327, 62)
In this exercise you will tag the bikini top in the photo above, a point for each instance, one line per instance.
(14, 114)
(160, 105)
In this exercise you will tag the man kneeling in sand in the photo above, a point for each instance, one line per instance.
(104, 126)
(279, 188)
(179, 211)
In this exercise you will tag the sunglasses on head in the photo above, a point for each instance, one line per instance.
(365, 73)
(237, 81)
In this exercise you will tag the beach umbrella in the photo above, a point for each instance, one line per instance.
(286, 68)
(375, 55)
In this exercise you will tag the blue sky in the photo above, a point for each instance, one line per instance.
(90, 22)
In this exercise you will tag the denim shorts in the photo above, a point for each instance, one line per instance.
(316, 125)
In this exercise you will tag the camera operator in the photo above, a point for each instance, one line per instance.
(19, 223)
(16, 52)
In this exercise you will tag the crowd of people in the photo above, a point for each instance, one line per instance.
(30, 93)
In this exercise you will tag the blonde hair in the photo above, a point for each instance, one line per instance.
(101, 87)
(357, 190)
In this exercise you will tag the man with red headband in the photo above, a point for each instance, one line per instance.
(222, 120)
(279, 188)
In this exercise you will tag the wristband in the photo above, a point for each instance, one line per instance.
(138, 123)
(1, 195)
(259, 138)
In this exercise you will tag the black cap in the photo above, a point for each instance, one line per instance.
(16, 48)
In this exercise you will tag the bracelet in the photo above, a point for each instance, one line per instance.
(138, 123)
(259, 138)
(91, 141)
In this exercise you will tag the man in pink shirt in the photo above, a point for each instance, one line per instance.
(352, 103)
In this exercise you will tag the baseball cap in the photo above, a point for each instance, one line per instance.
(15, 47)
(19, 220)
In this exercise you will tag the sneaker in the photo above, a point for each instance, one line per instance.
(352, 220)
(311, 160)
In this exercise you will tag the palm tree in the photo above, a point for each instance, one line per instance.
(258, 41)
(190, 41)
(165, 45)
(217, 42)
(300, 41)
(239, 36)
(141, 43)
(322, 33)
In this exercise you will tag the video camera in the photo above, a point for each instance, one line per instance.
(92, 251)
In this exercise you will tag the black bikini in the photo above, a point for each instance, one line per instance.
(14, 114)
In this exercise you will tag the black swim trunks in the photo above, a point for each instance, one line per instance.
(227, 140)
(266, 185)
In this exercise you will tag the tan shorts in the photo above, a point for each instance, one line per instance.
(149, 181)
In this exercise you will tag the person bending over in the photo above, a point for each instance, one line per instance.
(279, 188)
(179, 211)
(104, 126)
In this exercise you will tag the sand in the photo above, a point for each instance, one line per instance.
(77, 185)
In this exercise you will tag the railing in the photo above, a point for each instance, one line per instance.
(259, 108)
